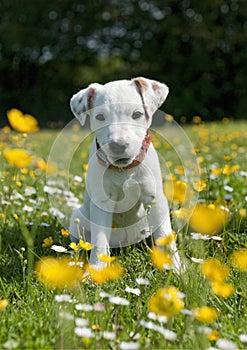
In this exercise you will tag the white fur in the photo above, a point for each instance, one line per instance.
(121, 196)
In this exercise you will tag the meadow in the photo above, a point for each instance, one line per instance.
(50, 298)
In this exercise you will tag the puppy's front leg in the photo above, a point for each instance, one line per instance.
(101, 227)
(159, 221)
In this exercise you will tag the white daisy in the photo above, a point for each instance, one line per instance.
(63, 298)
(84, 332)
(81, 322)
(57, 213)
(167, 334)
(108, 335)
(142, 281)
(28, 208)
(196, 260)
(228, 188)
(243, 338)
(124, 345)
(84, 307)
(119, 301)
(58, 248)
(226, 344)
(135, 291)
(29, 191)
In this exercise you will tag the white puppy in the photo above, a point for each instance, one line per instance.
(124, 201)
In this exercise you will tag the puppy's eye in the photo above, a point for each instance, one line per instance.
(100, 117)
(137, 115)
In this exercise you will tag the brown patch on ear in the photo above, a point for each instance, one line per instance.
(90, 97)
(140, 84)
(155, 86)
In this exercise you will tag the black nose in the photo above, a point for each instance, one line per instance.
(118, 147)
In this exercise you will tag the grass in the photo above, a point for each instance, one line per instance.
(33, 319)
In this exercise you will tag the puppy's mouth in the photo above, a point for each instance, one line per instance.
(120, 162)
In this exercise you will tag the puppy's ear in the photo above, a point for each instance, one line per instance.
(82, 102)
(153, 92)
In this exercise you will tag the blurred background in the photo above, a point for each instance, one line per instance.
(51, 49)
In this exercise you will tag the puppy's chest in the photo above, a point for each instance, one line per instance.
(118, 183)
(115, 183)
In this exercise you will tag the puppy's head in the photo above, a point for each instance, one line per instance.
(120, 113)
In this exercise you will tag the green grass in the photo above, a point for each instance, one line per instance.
(32, 319)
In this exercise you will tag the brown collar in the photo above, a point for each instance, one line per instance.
(102, 159)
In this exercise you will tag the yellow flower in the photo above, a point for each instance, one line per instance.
(216, 172)
(40, 164)
(200, 185)
(182, 213)
(200, 159)
(222, 289)
(6, 130)
(32, 174)
(82, 244)
(162, 260)
(214, 270)
(179, 169)
(74, 246)
(235, 168)
(97, 276)
(18, 157)
(226, 170)
(105, 274)
(166, 240)
(167, 301)
(60, 272)
(15, 216)
(64, 232)
(209, 219)
(114, 271)
(85, 245)
(197, 120)
(3, 304)
(227, 158)
(2, 216)
(15, 138)
(213, 336)
(106, 258)
(205, 314)
(177, 191)
(242, 212)
(48, 167)
(24, 171)
(96, 327)
(84, 155)
(47, 242)
(169, 117)
(22, 122)
(239, 259)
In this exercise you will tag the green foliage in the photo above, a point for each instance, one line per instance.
(50, 50)
(34, 319)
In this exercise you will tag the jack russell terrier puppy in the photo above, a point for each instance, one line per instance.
(124, 183)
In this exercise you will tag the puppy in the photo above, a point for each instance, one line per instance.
(124, 201)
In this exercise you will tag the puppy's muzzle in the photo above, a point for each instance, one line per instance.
(118, 148)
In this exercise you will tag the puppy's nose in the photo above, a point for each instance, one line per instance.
(118, 147)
